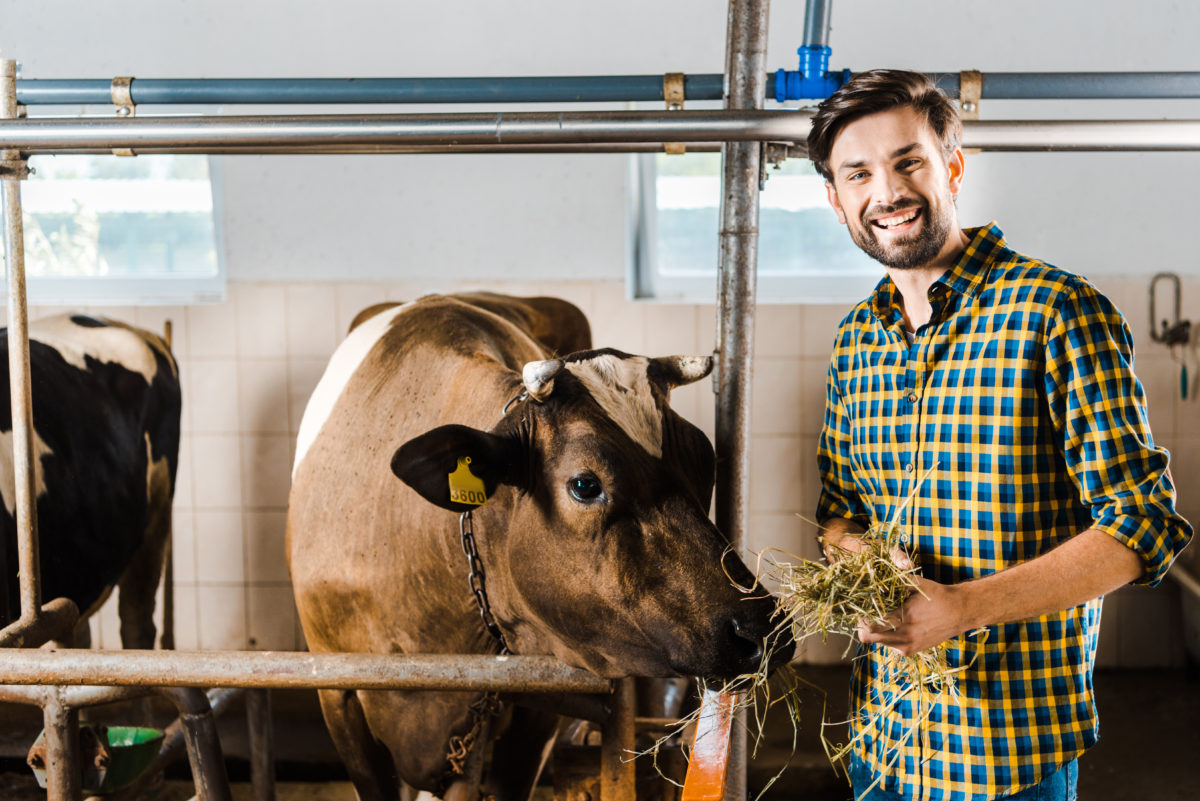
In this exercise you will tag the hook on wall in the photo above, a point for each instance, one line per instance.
(1174, 333)
(1177, 332)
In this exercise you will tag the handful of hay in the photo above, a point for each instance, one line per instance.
(861, 585)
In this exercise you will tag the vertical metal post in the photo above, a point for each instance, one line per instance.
(745, 76)
(617, 772)
(167, 639)
(18, 360)
(61, 723)
(203, 745)
(262, 744)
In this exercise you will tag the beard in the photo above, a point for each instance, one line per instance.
(909, 252)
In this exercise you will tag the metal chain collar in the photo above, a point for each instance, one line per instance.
(459, 747)
(477, 578)
(487, 704)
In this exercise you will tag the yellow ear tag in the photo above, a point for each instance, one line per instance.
(465, 487)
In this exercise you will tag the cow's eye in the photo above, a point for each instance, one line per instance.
(584, 488)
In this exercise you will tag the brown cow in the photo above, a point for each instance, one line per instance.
(595, 537)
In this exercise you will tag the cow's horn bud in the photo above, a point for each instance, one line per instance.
(682, 370)
(538, 377)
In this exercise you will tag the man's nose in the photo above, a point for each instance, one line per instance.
(890, 188)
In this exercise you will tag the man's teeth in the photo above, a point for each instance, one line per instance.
(899, 219)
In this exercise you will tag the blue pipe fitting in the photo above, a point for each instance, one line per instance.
(812, 81)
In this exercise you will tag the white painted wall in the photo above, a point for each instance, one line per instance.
(541, 217)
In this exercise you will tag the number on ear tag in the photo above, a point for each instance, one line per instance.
(465, 487)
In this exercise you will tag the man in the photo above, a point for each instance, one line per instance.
(1010, 382)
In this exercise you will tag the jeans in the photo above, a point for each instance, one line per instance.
(1058, 786)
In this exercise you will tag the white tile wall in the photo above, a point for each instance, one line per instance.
(249, 365)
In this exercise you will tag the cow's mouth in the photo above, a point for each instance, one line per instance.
(743, 652)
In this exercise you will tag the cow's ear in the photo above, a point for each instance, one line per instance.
(456, 467)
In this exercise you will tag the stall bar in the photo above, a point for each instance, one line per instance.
(82, 667)
(567, 132)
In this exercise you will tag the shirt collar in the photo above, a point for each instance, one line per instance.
(964, 277)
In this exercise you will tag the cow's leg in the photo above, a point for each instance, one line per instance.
(367, 762)
(139, 582)
(520, 753)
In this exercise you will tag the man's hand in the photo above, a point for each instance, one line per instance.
(1088, 565)
(931, 615)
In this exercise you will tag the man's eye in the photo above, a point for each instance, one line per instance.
(584, 488)
(856, 176)
(909, 164)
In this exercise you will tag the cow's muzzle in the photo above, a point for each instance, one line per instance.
(749, 636)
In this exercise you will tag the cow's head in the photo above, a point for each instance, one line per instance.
(601, 550)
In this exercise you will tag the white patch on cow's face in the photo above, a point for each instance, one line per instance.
(109, 343)
(342, 366)
(622, 390)
(8, 479)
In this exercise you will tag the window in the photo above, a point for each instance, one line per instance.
(804, 254)
(107, 230)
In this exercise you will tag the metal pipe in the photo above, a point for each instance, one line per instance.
(329, 150)
(816, 24)
(50, 134)
(264, 91)
(77, 697)
(203, 745)
(745, 60)
(621, 131)
(55, 621)
(581, 89)
(296, 669)
(166, 640)
(262, 744)
(617, 746)
(61, 725)
(1082, 135)
(18, 362)
(1079, 85)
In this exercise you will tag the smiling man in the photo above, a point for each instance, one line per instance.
(1010, 383)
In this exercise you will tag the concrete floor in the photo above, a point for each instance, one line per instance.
(1150, 746)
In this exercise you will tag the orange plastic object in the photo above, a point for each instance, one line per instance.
(709, 762)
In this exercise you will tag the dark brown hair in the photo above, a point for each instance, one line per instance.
(881, 90)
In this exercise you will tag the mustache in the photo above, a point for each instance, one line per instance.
(886, 210)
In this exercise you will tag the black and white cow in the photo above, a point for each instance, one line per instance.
(106, 408)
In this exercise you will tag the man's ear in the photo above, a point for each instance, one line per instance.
(956, 166)
(834, 201)
(426, 463)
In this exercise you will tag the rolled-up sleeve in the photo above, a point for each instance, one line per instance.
(839, 495)
(1098, 409)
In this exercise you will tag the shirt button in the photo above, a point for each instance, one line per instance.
(908, 468)
(912, 397)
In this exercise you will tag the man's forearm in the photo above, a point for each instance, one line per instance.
(1084, 567)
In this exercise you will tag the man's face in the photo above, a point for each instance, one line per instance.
(893, 187)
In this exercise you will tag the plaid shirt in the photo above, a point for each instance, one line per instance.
(1021, 392)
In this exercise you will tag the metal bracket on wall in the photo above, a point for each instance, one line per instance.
(122, 98)
(970, 90)
(673, 94)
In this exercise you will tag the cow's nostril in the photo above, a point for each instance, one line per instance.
(746, 648)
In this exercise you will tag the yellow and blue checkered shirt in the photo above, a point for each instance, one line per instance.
(1020, 393)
